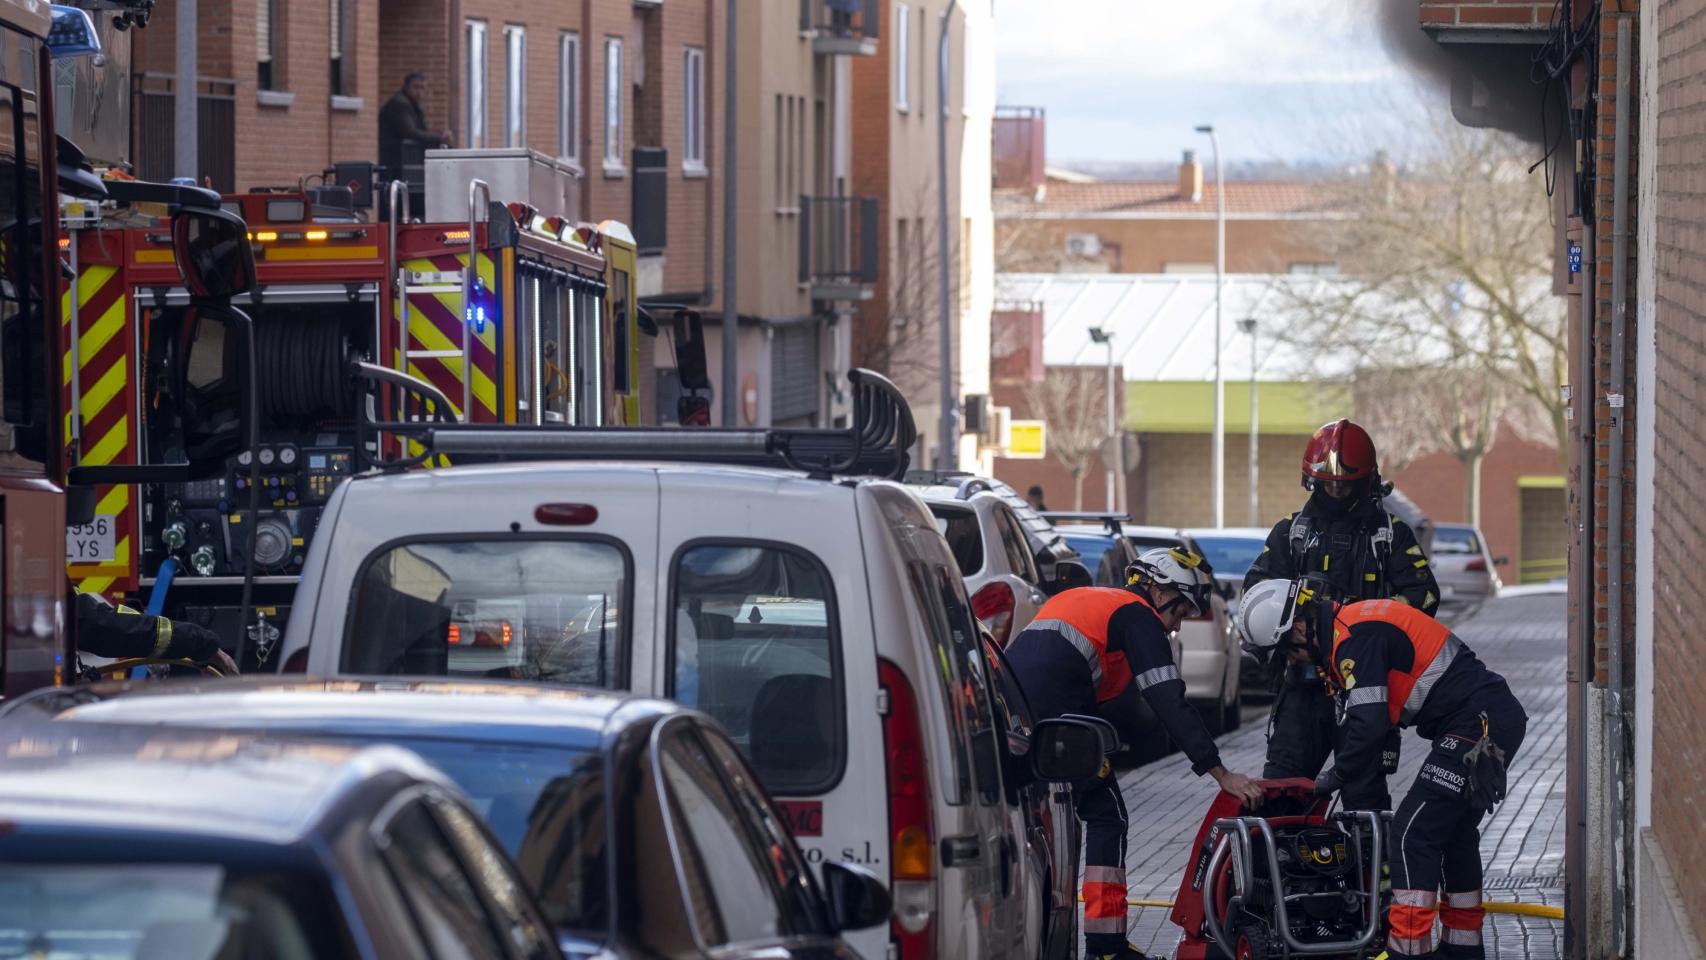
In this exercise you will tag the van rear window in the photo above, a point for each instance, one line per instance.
(754, 643)
(521, 609)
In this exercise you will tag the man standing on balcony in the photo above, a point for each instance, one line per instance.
(403, 119)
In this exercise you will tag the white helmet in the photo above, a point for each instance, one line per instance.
(1267, 612)
(1184, 570)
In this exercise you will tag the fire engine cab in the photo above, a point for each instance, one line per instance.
(515, 317)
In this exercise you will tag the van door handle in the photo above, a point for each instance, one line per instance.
(959, 851)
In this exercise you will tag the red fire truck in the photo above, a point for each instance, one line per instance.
(516, 318)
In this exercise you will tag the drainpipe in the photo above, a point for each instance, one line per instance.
(185, 159)
(731, 227)
(1616, 794)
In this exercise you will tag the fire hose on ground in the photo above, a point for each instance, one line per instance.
(1512, 908)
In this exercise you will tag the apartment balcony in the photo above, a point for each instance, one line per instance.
(841, 28)
(838, 246)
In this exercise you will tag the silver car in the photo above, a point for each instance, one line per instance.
(1466, 570)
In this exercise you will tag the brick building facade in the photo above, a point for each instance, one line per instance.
(1638, 684)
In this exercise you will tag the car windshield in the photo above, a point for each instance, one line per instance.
(546, 805)
(1455, 540)
(539, 609)
(1230, 556)
(186, 911)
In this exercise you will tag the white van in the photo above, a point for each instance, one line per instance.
(822, 620)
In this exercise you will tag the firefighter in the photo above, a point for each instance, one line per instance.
(120, 632)
(1086, 646)
(1345, 538)
(1396, 667)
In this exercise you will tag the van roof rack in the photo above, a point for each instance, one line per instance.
(876, 443)
(1112, 521)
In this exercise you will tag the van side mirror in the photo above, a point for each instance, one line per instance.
(857, 899)
(1064, 750)
(79, 504)
(213, 253)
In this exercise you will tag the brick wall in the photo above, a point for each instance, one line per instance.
(1486, 13)
(1679, 554)
(1177, 468)
(1436, 482)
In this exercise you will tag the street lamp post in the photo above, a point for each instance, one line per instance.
(1114, 460)
(1248, 325)
(1219, 485)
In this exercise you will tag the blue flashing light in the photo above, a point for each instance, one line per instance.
(73, 33)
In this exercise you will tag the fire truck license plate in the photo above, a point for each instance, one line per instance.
(91, 542)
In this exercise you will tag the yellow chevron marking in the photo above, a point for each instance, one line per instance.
(423, 329)
(96, 337)
(115, 501)
(97, 584)
(120, 566)
(89, 282)
(109, 446)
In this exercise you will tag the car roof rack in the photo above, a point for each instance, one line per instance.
(1112, 521)
(876, 443)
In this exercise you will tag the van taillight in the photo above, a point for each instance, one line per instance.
(298, 662)
(1477, 565)
(912, 833)
(993, 606)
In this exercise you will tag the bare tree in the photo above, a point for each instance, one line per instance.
(1459, 411)
(1070, 401)
(899, 336)
(1446, 270)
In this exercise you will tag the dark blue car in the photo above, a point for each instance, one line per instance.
(146, 844)
(636, 822)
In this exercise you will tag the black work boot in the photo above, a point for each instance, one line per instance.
(1124, 951)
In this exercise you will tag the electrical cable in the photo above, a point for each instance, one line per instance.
(305, 373)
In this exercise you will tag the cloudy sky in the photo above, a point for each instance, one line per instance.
(1127, 80)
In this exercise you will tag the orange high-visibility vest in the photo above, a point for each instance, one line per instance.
(1435, 646)
(1082, 616)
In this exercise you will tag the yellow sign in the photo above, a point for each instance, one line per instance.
(1028, 440)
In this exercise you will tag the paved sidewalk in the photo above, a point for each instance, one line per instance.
(1522, 843)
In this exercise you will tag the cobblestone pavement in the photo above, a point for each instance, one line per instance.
(1522, 844)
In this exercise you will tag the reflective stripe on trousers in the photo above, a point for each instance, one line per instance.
(1412, 921)
(1462, 917)
(1102, 809)
(1077, 638)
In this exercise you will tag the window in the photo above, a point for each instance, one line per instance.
(1014, 543)
(964, 535)
(343, 35)
(515, 86)
(444, 899)
(525, 609)
(902, 57)
(1458, 541)
(754, 643)
(474, 84)
(546, 805)
(185, 909)
(267, 46)
(569, 94)
(512, 911)
(612, 104)
(729, 871)
(25, 336)
(693, 111)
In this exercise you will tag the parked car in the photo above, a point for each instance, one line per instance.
(787, 602)
(622, 813)
(1058, 566)
(1232, 551)
(994, 556)
(139, 842)
(1099, 541)
(1466, 570)
(1211, 659)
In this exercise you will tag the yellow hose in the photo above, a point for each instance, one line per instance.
(1540, 910)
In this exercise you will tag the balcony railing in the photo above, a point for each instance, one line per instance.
(838, 246)
(153, 139)
(841, 28)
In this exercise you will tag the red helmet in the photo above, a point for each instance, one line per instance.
(1340, 451)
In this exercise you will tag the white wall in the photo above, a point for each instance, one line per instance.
(978, 299)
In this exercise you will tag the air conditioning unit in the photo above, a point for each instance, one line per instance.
(976, 413)
(1083, 245)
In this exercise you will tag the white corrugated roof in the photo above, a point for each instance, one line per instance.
(1163, 324)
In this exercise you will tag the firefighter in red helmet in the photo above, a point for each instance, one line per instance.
(1347, 543)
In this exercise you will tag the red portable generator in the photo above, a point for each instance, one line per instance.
(1287, 880)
